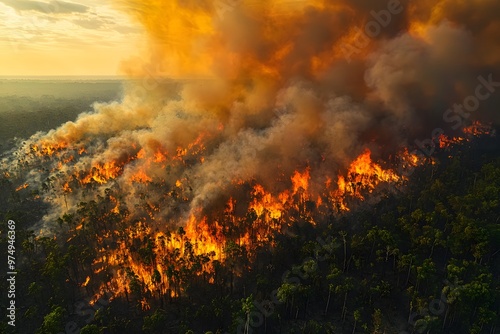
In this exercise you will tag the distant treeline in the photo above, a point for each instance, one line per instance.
(27, 107)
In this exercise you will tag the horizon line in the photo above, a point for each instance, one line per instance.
(61, 76)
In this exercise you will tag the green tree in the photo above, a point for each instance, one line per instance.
(90, 329)
(52, 322)
(155, 323)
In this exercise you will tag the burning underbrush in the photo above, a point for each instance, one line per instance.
(138, 215)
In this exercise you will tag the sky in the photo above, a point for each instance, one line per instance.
(63, 38)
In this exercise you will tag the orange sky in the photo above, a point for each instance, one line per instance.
(82, 37)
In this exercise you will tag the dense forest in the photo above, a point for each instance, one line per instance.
(423, 258)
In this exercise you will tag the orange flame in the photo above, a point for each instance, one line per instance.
(66, 188)
(141, 177)
(101, 173)
(23, 186)
(86, 281)
(363, 175)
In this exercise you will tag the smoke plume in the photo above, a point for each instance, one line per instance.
(252, 91)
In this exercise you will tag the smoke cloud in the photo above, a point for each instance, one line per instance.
(251, 91)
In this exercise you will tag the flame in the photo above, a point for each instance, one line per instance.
(116, 209)
(445, 141)
(101, 173)
(86, 281)
(141, 154)
(145, 305)
(300, 181)
(409, 159)
(23, 186)
(154, 261)
(141, 177)
(364, 166)
(46, 148)
(66, 188)
(159, 157)
(205, 236)
(197, 234)
(478, 129)
(264, 203)
(363, 175)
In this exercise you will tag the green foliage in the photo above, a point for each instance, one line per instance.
(90, 329)
(155, 323)
(52, 322)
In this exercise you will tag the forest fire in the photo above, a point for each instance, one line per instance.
(479, 129)
(243, 126)
(101, 173)
(203, 239)
(47, 148)
(363, 175)
(160, 255)
(142, 256)
(145, 252)
(141, 177)
(364, 172)
(472, 131)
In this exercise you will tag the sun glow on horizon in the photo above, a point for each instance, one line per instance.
(81, 38)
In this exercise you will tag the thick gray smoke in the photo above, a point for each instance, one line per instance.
(270, 92)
